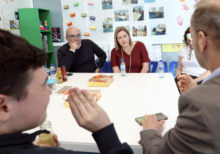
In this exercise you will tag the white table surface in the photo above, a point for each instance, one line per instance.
(123, 100)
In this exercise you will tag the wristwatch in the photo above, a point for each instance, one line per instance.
(99, 68)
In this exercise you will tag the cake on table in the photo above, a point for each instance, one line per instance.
(100, 81)
(94, 92)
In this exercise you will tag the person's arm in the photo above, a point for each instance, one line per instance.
(109, 143)
(65, 58)
(116, 69)
(90, 116)
(99, 53)
(144, 58)
(179, 67)
(190, 135)
(203, 76)
(145, 67)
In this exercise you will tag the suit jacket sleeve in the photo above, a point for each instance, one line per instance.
(109, 143)
(99, 53)
(190, 134)
(65, 58)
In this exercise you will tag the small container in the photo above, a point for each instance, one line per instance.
(64, 73)
(52, 84)
(59, 76)
(47, 138)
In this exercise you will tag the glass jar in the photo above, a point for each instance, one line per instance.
(47, 138)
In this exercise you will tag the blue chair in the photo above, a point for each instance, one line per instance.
(104, 67)
(165, 67)
(109, 69)
(173, 67)
(154, 68)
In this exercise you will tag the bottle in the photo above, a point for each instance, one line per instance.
(161, 69)
(64, 73)
(123, 68)
(52, 72)
(45, 67)
(59, 76)
(47, 138)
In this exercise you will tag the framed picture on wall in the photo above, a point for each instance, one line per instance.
(121, 15)
(107, 25)
(107, 4)
(56, 34)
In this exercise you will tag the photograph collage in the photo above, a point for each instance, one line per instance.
(154, 13)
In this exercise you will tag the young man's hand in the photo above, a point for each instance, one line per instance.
(86, 111)
(151, 122)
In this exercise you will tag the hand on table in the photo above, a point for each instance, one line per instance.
(97, 70)
(151, 122)
(74, 46)
(36, 142)
(186, 83)
(86, 111)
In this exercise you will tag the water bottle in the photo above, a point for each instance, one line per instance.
(161, 69)
(45, 67)
(52, 72)
(123, 68)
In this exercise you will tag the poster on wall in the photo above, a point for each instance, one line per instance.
(107, 4)
(16, 15)
(156, 12)
(56, 34)
(138, 13)
(149, 1)
(140, 30)
(126, 2)
(107, 25)
(158, 29)
(121, 15)
(14, 24)
(156, 53)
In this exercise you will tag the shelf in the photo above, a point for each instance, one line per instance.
(59, 43)
(45, 31)
(49, 52)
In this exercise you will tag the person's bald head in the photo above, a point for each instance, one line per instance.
(73, 34)
(72, 29)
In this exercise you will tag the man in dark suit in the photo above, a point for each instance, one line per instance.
(78, 55)
(197, 127)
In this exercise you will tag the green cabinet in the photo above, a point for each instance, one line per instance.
(29, 19)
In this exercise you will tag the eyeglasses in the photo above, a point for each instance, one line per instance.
(189, 55)
(74, 37)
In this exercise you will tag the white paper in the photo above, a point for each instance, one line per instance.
(156, 53)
